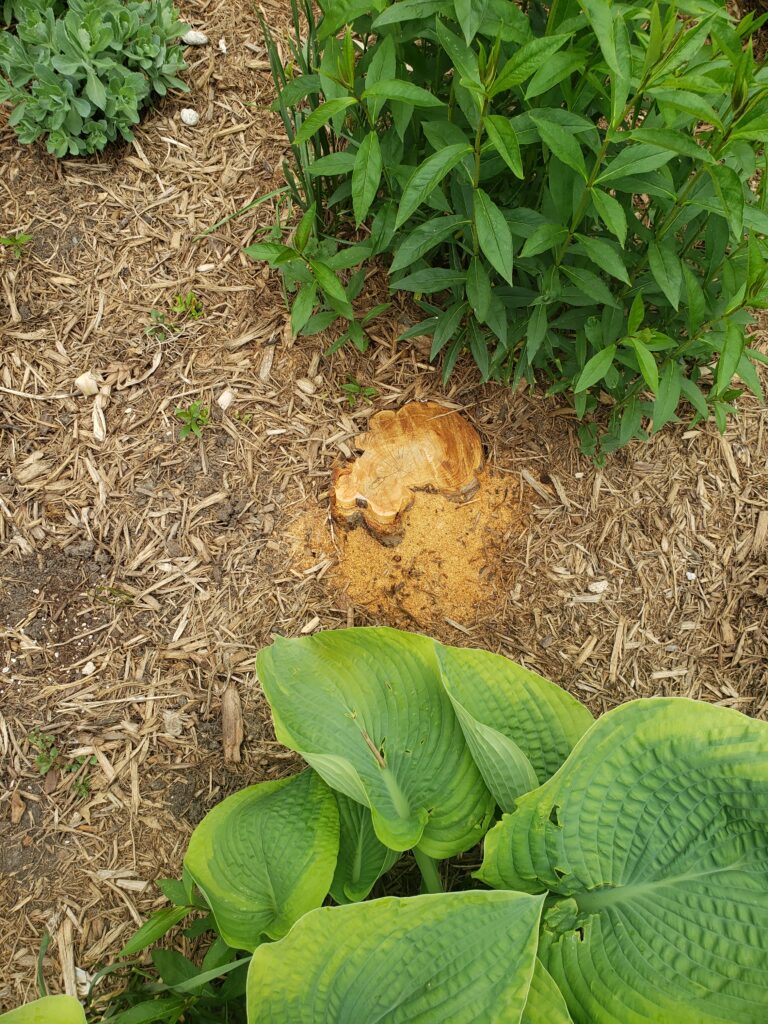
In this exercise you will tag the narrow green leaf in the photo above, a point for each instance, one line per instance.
(154, 928)
(595, 369)
(695, 397)
(536, 331)
(305, 228)
(429, 280)
(730, 356)
(334, 163)
(383, 66)
(604, 255)
(321, 116)
(427, 177)
(666, 269)
(553, 71)
(504, 140)
(462, 57)
(366, 176)
(470, 15)
(647, 364)
(410, 10)
(636, 313)
(546, 236)
(591, 285)
(528, 59)
(689, 103)
(447, 324)
(269, 251)
(423, 238)
(731, 192)
(478, 346)
(332, 287)
(404, 92)
(564, 146)
(695, 301)
(478, 288)
(493, 234)
(746, 370)
(676, 141)
(600, 16)
(668, 395)
(634, 160)
(302, 307)
(611, 212)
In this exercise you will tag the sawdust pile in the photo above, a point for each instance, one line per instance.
(450, 565)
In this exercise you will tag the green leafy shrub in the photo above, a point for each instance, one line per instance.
(79, 77)
(566, 193)
(627, 858)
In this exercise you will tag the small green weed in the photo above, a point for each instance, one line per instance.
(355, 391)
(15, 243)
(193, 419)
(49, 756)
(160, 328)
(188, 305)
(165, 325)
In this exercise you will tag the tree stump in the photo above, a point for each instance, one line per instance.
(421, 447)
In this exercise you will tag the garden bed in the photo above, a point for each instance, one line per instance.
(141, 573)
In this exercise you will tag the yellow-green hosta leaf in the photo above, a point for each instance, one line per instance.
(654, 833)
(463, 958)
(48, 1010)
(546, 1004)
(363, 858)
(366, 708)
(265, 856)
(518, 726)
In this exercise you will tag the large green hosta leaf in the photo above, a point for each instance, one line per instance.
(655, 833)
(363, 858)
(265, 856)
(545, 1000)
(49, 1010)
(366, 708)
(519, 726)
(457, 957)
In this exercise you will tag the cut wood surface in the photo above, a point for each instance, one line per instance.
(422, 446)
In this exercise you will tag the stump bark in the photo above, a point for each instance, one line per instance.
(420, 447)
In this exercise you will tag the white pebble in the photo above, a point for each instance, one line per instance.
(189, 117)
(89, 669)
(223, 45)
(88, 383)
(690, 576)
(598, 587)
(194, 38)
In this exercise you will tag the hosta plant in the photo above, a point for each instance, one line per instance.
(569, 194)
(79, 74)
(624, 876)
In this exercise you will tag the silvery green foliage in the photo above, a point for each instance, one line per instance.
(78, 74)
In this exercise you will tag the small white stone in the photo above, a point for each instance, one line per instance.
(194, 38)
(189, 117)
(88, 383)
(598, 587)
(88, 669)
(690, 576)
(223, 45)
(225, 399)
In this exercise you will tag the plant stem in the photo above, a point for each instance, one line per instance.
(429, 872)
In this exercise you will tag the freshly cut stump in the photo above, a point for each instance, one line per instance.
(421, 447)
